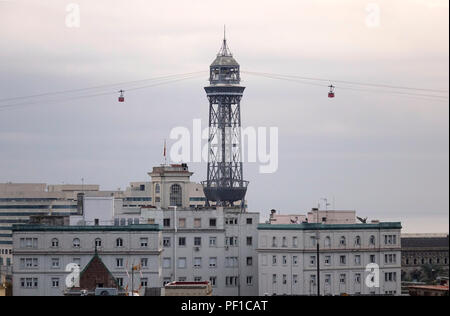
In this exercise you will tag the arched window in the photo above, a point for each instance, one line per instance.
(98, 242)
(175, 195)
(55, 242)
(327, 241)
(157, 188)
(342, 241)
(357, 241)
(372, 240)
(274, 241)
(76, 243)
(119, 242)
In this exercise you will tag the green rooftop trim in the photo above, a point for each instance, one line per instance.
(127, 228)
(315, 226)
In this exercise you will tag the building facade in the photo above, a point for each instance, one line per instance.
(215, 244)
(169, 185)
(288, 260)
(421, 250)
(42, 253)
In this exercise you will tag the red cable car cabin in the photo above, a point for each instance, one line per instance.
(121, 97)
(331, 92)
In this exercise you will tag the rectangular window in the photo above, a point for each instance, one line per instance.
(274, 260)
(197, 222)
(144, 242)
(55, 282)
(231, 221)
(231, 262)
(295, 260)
(29, 282)
(313, 279)
(197, 279)
(327, 279)
(231, 241)
(284, 279)
(274, 279)
(212, 241)
(182, 241)
(249, 261)
(295, 278)
(182, 263)
(213, 281)
(144, 282)
(342, 259)
(312, 260)
(119, 262)
(327, 260)
(144, 263)
(197, 241)
(249, 241)
(55, 263)
(167, 262)
(182, 223)
(358, 278)
(249, 221)
(284, 260)
(294, 241)
(249, 280)
(197, 262)
(357, 260)
(312, 241)
(342, 278)
(166, 242)
(231, 281)
(372, 259)
(213, 262)
(77, 261)
(166, 222)
(212, 222)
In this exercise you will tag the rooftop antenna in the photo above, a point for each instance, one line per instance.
(224, 50)
(165, 154)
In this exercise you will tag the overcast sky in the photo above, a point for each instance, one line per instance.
(384, 155)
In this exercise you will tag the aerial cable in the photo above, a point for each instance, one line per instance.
(17, 105)
(100, 86)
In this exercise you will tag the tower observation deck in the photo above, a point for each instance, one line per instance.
(225, 184)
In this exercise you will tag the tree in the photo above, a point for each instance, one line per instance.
(430, 272)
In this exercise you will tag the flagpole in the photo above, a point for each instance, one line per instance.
(165, 155)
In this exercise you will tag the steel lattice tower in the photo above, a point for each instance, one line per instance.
(224, 184)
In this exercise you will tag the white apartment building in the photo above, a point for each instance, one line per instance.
(288, 260)
(42, 252)
(216, 245)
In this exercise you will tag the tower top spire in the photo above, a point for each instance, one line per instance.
(224, 50)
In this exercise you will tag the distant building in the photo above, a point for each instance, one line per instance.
(314, 216)
(429, 290)
(188, 289)
(287, 258)
(419, 250)
(42, 253)
(20, 201)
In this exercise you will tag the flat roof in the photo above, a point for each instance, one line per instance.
(39, 228)
(318, 226)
